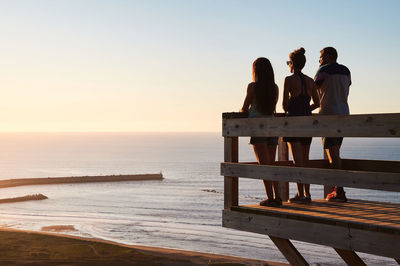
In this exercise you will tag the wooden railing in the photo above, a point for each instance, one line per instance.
(375, 236)
(367, 174)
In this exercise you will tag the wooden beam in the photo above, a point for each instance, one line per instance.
(283, 156)
(350, 257)
(231, 183)
(334, 235)
(368, 125)
(371, 165)
(349, 164)
(345, 178)
(287, 249)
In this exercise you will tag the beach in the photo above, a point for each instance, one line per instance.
(18, 247)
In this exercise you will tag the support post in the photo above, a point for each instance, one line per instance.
(283, 155)
(231, 186)
(350, 257)
(292, 255)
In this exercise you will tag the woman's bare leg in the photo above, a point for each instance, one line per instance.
(271, 159)
(261, 152)
(297, 153)
(306, 159)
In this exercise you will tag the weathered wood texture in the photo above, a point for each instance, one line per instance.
(283, 156)
(387, 181)
(359, 214)
(292, 255)
(350, 257)
(364, 226)
(368, 125)
(349, 164)
(231, 183)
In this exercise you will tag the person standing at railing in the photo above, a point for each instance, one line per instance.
(261, 98)
(298, 91)
(333, 83)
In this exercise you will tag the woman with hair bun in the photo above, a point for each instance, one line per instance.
(260, 101)
(298, 91)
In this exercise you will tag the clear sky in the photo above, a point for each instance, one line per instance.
(177, 65)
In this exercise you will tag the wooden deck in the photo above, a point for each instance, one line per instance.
(359, 214)
(365, 226)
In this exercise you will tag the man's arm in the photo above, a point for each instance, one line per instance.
(319, 78)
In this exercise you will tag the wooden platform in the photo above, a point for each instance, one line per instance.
(365, 226)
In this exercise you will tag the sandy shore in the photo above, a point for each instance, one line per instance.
(38, 248)
(76, 179)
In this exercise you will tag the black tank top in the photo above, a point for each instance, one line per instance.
(300, 104)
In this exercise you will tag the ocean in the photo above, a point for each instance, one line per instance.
(183, 211)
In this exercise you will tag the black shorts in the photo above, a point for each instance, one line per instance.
(271, 141)
(304, 141)
(329, 142)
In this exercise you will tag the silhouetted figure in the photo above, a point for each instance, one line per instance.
(297, 94)
(260, 101)
(333, 82)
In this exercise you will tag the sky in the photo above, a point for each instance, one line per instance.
(122, 66)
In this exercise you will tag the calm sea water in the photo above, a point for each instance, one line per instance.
(183, 211)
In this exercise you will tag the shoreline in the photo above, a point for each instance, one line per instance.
(47, 248)
(77, 179)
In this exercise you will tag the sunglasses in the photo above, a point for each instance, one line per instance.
(289, 63)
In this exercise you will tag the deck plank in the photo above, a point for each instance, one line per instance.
(351, 226)
(366, 215)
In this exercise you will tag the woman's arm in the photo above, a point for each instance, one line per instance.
(285, 101)
(314, 96)
(248, 99)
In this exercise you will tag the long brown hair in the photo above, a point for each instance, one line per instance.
(265, 92)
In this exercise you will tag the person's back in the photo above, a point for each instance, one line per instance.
(333, 81)
(300, 88)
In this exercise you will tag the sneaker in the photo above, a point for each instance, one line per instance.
(271, 202)
(307, 199)
(278, 202)
(336, 196)
(297, 199)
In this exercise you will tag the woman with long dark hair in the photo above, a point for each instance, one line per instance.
(260, 101)
(298, 90)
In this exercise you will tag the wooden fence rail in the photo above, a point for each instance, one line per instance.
(369, 125)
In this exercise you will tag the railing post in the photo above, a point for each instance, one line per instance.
(283, 155)
(231, 186)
